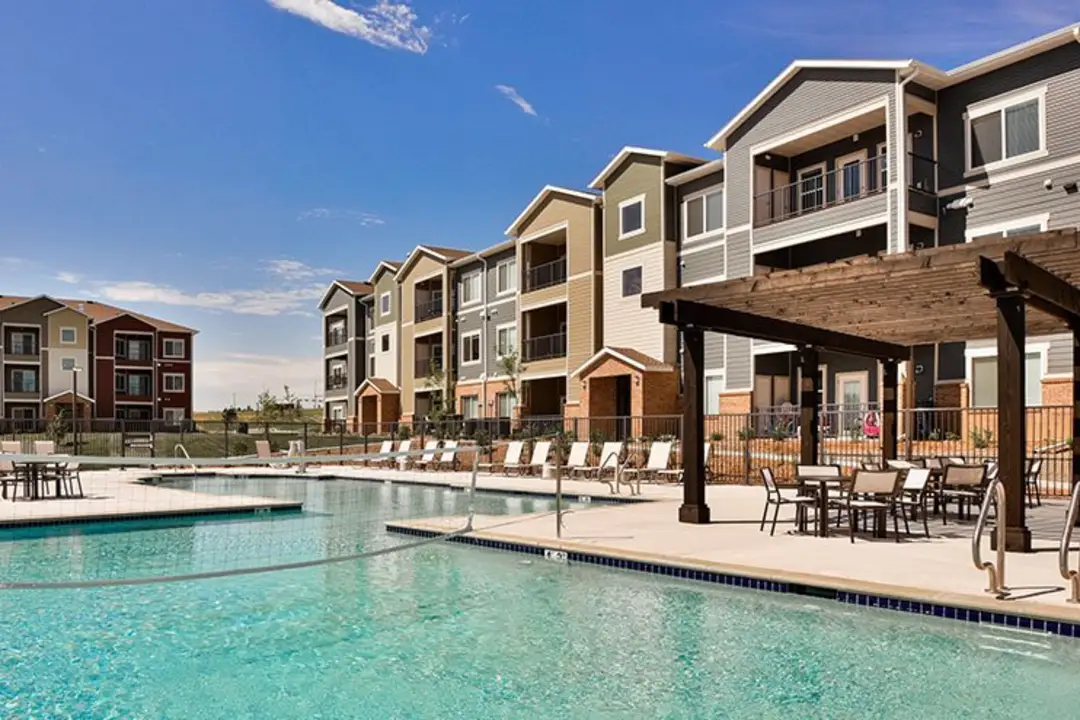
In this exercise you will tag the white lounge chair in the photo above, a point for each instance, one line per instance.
(540, 453)
(13, 447)
(659, 458)
(579, 458)
(402, 461)
(678, 474)
(262, 449)
(44, 447)
(428, 458)
(512, 459)
(386, 447)
(447, 458)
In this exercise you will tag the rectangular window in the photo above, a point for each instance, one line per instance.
(67, 364)
(174, 348)
(631, 281)
(23, 344)
(851, 175)
(174, 382)
(384, 343)
(24, 381)
(505, 403)
(371, 366)
(173, 416)
(384, 304)
(470, 407)
(121, 384)
(811, 188)
(68, 336)
(1006, 129)
(703, 214)
(714, 385)
(506, 340)
(984, 389)
(632, 217)
(506, 277)
(470, 348)
(1011, 228)
(883, 165)
(470, 288)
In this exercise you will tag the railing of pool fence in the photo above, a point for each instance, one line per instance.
(995, 494)
(33, 584)
(1067, 573)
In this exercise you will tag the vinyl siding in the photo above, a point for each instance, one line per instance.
(627, 324)
(1058, 69)
(639, 174)
(338, 299)
(739, 364)
(1059, 358)
(579, 347)
(868, 209)
(712, 182)
(738, 255)
(578, 215)
(698, 266)
(544, 296)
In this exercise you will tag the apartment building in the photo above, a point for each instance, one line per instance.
(346, 309)
(837, 159)
(104, 361)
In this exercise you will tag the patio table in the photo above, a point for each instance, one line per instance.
(822, 485)
(33, 469)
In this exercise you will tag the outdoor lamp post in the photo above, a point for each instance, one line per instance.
(75, 370)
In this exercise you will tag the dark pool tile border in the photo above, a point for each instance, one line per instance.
(882, 602)
(94, 519)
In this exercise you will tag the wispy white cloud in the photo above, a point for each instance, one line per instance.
(68, 277)
(386, 24)
(364, 219)
(512, 95)
(218, 378)
(294, 270)
(240, 302)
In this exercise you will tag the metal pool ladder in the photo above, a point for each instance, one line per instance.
(181, 449)
(1063, 552)
(994, 570)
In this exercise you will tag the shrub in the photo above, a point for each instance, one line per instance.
(981, 437)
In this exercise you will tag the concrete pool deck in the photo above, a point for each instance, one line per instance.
(118, 495)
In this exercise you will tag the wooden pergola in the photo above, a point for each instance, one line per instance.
(881, 307)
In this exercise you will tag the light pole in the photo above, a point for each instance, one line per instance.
(75, 370)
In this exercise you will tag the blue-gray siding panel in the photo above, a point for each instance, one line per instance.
(739, 263)
(702, 264)
(714, 351)
(739, 364)
(1059, 360)
(770, 235)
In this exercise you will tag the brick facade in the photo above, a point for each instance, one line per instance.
(736, 403)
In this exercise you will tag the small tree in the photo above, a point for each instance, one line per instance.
(266, 406)
(442, 405)
(230, 414)
(289, 407)
(510, 367)
(57, 428)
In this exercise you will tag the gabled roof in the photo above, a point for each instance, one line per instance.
(379, 385)
(543, 195)
(473, 257)
(9, 301)
(598, 181)
(62, 393)
(442, 254)
(390, 266)
(628, 356)
(355, 288)
(98, 312)
(927, 75)
(694, 173)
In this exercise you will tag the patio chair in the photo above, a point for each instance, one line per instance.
(44, 447)
(774, 496)
(540, 453)
(69, 478)
(1031, 481)
(428, 457)
(659, 459)
(900, 464)
(385, 447)
(11, 475)
(512, 458)
(579, 458)
(13, 447)
(913, 494)
(610, 453)
(447, 458)
(678, 474)
(872, 491)
(817, 471)
(961, 483)
(262, 450)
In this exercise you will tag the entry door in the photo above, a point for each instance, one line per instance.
(852, 396)
(622, 406)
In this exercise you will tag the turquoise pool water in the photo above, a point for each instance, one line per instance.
(448, 631)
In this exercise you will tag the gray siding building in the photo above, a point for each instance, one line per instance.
(345, 308)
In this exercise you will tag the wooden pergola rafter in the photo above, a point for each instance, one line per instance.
(881, 307)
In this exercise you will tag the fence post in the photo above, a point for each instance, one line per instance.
(123, 439)
(747, 432)
(226, 423)
(341, 442)
(305, 437)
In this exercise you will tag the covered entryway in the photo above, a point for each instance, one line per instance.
(64, 404)
(984, 288)
(626, 393)
(378, 403)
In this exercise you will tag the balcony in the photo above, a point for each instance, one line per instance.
(134, 386)
(133, 351)
(430, 309)
(545, 275)
(818, 190)
(544, 347)
(335, 338)
(424, 366)
(337, 382)
(21, 385)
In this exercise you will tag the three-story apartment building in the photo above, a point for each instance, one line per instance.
(345, 307)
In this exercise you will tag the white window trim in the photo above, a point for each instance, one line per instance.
(165, 382)
(626, 203)
(511, 290)
(475, 399)
(64, 360)
(1042, 220)
(824, 184)
(862, 376)
(703, 194)
(622, 281)
(384, 312)
(466, 277)
(498, 328)
(998, 104)
(861, 157)
(390, 344)
(479, 356)
(882, 152)
(1040, 348)
(74, 331)
(165, 345)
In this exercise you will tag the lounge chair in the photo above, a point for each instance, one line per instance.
(428, 458)
(14, 447)
(540, 453)
(44, 447)
(385, 448)
(402, 461)
(659, 459)
(579, 458)
(262, 450)
(773, 496)
(678, 474)
(512, 458)
(447, 458)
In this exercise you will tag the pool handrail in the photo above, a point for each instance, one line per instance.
(1063, 551)
(995, 571)
(181, 449)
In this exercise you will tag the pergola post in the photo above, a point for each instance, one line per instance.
(1012, 425)
(1076, 407)
(889, 385)
(810, 410)
(694, 509)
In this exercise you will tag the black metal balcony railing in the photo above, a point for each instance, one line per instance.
(546, 275)
(425, 366)
(335, 338)
(133, 351)
(544, 347)
(134, 390)
(922, 173)
(337, 382)
(23, 348)
(429, 309)
(821, 190)
(22, 386)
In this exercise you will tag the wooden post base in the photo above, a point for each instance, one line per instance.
(1017, 539)
(694, 514)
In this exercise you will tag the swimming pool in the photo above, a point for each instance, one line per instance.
(450, 631)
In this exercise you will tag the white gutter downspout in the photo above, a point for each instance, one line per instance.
(484, 342)
(901, 164)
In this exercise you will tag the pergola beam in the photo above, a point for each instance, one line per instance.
(1038, 282)
(735, 322)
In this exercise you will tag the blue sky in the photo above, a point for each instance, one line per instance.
(217, 163)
